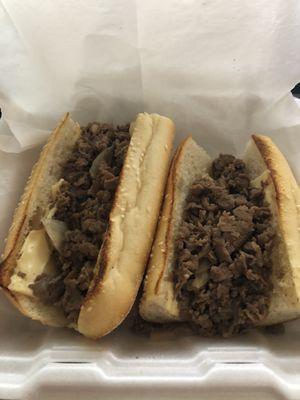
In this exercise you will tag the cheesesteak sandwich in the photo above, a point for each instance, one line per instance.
(81, 235)
(226, 256)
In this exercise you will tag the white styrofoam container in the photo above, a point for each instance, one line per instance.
(38, 362)
(44, 64)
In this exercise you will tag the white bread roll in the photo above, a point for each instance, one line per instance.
(264, 162)
(36, 195)
(121, 262)
(283, 196)
(158, 303)
(133, 220)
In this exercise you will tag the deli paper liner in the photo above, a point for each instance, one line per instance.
(221, 70)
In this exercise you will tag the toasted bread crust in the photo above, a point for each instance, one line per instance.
(132, 223)
(37, 192)
(285, 301)
(158, 303)
(161, 250)
(19, 224)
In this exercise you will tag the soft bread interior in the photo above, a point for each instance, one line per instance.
(36, 197)
(265, 164)
(283, 195)
(132, 225)
(158, 303)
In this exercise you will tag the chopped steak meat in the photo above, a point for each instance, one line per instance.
(223, 265)
(83, 202)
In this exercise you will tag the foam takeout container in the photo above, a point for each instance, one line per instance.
(221, 71)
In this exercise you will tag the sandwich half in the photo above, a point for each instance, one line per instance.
(226, 256)
(81, 235)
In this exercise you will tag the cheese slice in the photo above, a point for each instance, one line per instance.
(35, 255)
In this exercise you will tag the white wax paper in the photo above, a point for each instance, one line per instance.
(220, 69)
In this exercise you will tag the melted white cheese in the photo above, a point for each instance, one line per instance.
(35, 255)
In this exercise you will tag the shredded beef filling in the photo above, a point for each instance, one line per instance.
(223, 266)
(83, 202)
